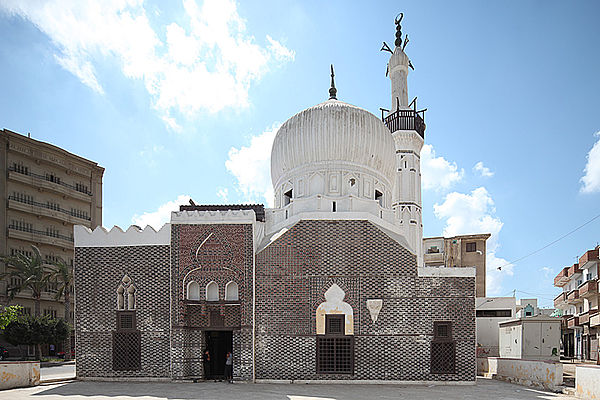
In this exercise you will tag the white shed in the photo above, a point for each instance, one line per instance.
(530, 338)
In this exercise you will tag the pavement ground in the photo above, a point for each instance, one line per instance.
(58, 371)
(485, 389)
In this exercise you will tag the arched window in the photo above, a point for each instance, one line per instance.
(231, 291)
(212, 291)
(193, 291)
(126, 294)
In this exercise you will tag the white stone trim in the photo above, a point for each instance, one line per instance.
(459, 272)
(116, 237)
(213, 217)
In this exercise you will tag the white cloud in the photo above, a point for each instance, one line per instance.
(148, 154)
(591, 177)
(437, 172)
(209, 66)
(251, 166)
(475, 213)
(162, 215)
(483, 171)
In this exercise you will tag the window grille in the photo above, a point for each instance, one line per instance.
(335, 324)
(127, 350)
(335, 351)
(126, 321)
(443, 349)
(471, 247)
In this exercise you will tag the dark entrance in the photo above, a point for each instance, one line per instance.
(218, 344)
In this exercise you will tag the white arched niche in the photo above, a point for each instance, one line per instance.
(212, 291)
(193, 291)
(334, 304)
(231, 291)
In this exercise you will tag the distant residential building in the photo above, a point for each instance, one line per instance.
(578, 303)
(45, 191)
(458, 251)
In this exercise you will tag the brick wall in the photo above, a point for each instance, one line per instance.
(98, 274)
(294, 272)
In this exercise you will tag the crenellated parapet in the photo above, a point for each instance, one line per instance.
(133, 236)
(214, 217)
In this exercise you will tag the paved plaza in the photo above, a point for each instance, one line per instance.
(485, 389)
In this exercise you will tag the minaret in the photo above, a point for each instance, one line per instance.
(408, 130)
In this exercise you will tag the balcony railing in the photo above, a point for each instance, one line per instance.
(574, 269)
(562, 278)
(406, 120)
(588, 288)
(38, 232)
(595, 319)
(590, 255)
(77, 188)
(573, 322)
(50, 207)
(560, 300)
(573, 296)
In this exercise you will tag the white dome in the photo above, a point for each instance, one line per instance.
(333, 132)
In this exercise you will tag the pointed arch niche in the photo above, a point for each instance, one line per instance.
(212, 291)
(231, 291)
(193, 291)
(335, 304)
(126, 294)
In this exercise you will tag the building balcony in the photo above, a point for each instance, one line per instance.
(574, 269)
(584, 318)
(60, 214)
(572, 322)
(564, 321)
(33, 235)
(562, 278)
(560, 300)
(573, 297)
(589, 256)
(588, 288)
(434, 259)
(595, 319)
(57, 186)
(406, 120)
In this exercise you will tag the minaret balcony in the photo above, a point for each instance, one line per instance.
(406, 120)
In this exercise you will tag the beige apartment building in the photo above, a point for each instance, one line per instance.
(458, 251)
(45, 191)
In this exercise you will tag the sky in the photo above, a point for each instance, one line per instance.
(182, 99)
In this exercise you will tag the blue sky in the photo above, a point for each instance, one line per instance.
(183, 98)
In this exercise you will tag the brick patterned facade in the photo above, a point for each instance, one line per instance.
(292, 274)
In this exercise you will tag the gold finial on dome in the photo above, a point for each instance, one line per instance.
(332, 89)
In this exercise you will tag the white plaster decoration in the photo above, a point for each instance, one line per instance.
(126, 294)
(374, 306)
(133, 236)
(333, 183)
(334, 304)
(231, 291)
(213, 217)
(300, 187)
(398, 73)
(462, 272)
(212, 291)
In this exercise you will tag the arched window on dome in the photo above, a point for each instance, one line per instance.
(193, 291)
(379, 197)
(231, 291)
(287, 197)
(212, 291)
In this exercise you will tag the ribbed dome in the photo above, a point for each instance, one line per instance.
(329, 132)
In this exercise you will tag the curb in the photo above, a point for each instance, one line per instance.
(56, 380)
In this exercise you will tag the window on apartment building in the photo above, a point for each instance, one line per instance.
(51, 177)
(80, 187)
(471, 247)
(15, 281)
(26, 311)
(52, 231)
(50, 312)
(14, 252)
(494, 313)
(79, 213)
(335, 350)
(20, 168)
(21, 197)
(21, 225)
(52, 205)
(443, 349)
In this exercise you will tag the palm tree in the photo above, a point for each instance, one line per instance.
(30, 273)
(62, 274)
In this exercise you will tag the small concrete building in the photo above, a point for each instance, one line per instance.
(530, 338)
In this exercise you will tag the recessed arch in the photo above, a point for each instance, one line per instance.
(212, 291)
(193, 291)
(231, 291)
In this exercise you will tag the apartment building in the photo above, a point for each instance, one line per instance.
(578, 302)
(458, 251)
(45, 191)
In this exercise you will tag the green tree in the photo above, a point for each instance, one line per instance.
(31, 273)
(9, 314)
(62, 274)
(30, 330)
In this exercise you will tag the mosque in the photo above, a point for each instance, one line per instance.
(329, 285)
